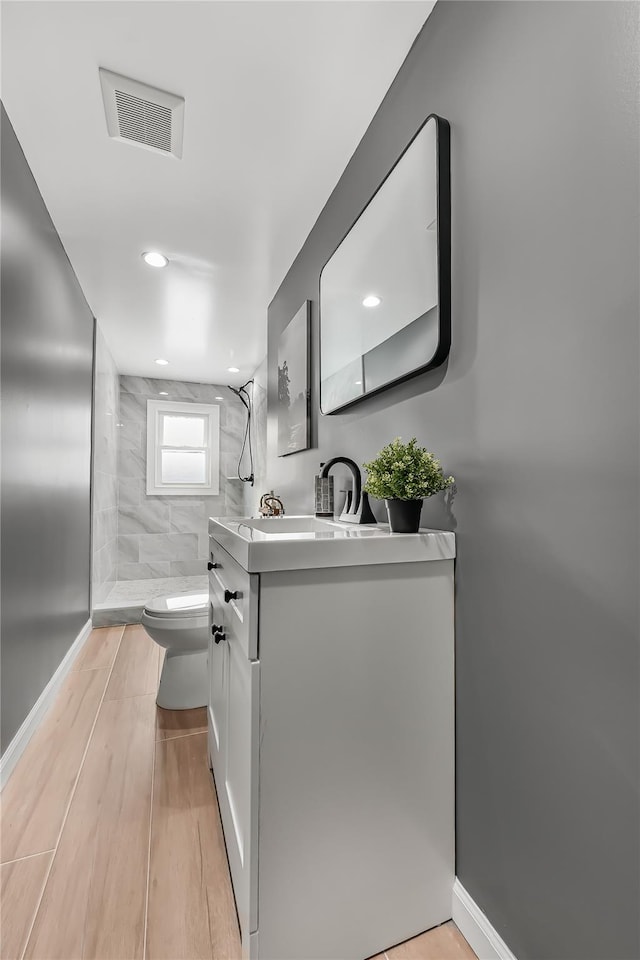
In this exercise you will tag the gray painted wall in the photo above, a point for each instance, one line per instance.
(47, 348)
(536, 414)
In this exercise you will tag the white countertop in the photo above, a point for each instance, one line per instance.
(302, 543)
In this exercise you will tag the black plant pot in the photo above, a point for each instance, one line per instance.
(404, 515)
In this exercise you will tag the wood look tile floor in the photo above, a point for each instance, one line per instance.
(111, 845)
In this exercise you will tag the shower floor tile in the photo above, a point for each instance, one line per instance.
(126, 599)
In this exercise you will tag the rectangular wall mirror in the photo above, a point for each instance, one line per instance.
(385, 292)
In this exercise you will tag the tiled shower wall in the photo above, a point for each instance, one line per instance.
(167, 536)
(105, 471)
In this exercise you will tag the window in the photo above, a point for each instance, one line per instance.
(183, 448)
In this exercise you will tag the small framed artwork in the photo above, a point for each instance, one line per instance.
(293, 384)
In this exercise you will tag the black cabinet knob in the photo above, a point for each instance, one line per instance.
(230, 595)
(215, 628)
(219, 636)
(212, 565)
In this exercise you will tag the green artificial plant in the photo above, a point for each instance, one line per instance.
(404, 471)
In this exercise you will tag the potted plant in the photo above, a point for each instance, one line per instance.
(402, 475)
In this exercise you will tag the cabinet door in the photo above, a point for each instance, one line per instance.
(239, 795)
(218, 673)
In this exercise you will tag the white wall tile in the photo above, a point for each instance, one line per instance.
(158, 525)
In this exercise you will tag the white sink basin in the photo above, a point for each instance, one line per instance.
(283, 526)
(306, 542)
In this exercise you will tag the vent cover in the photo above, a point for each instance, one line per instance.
(142, 115)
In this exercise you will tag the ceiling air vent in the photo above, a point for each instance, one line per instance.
(139, 114)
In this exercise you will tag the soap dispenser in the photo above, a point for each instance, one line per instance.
(324, 495)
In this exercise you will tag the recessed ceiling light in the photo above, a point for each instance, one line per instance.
(219, 398)
(155, 259)
(163, 393)
(371, 301)
(358, 383)
(162, 362)
(233, 369)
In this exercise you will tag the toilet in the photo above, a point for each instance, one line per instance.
(180, 624)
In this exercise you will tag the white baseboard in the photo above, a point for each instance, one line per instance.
(35, 716)
(483, 939)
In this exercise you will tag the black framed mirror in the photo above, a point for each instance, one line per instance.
(385, 293)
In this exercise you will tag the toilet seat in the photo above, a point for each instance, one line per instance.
(180, 606)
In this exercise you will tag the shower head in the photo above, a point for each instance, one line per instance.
(245, 398)
(242, 392)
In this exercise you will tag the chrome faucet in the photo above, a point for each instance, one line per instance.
(270, 505)
(356, 509)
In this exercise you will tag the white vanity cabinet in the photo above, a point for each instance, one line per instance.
(233, 716)
(331, 733)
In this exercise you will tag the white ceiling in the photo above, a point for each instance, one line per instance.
(278, 95)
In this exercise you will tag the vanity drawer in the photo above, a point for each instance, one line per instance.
(240, 613)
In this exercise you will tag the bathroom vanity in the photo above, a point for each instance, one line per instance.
(331, 732)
